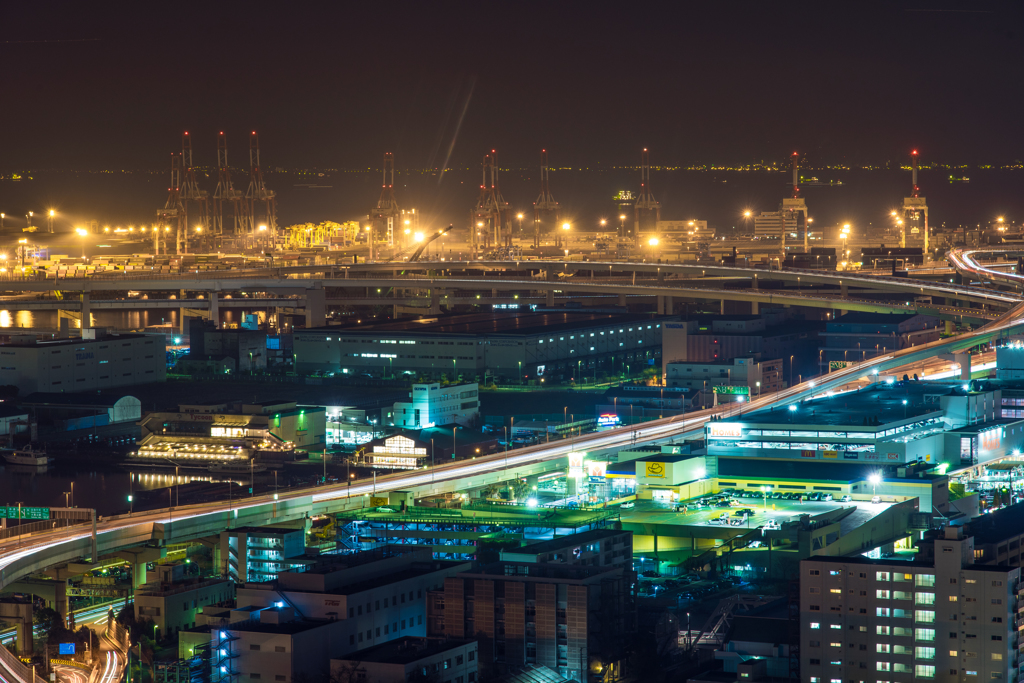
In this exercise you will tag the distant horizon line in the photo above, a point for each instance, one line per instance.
(740, 168)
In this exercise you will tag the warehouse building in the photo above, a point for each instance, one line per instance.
(525, 347)
(96, 361)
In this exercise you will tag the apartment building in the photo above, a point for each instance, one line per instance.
(410, 659)
(875, 620)
(379, 594)
(252, 554)
(573, 619)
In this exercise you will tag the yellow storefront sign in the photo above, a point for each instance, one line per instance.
(655, 470)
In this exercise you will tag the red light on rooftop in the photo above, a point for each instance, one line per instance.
(914, 152)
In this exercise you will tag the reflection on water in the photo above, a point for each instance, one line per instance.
(11, 317)
(107, 492)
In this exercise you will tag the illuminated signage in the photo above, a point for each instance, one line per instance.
(597, 469)
(725, 430)
(607, 420)
(733, 391)
(654, 470)
(576, 459)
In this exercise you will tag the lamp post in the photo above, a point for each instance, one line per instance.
(49, 219)
(764, 492)
(875, 479)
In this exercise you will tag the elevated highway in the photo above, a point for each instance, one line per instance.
(36, 551)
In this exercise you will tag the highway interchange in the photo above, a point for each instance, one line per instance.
(18, 558)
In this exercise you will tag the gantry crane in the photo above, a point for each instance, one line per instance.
(173, 214)
(490, 218)
(195, 199)
(386, 215)
(545, 204)
(645, 203)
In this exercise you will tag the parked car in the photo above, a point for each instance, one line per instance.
(827, 497)
(743, 512)
(876, 499)
(814, 496)
(846, 499)
(628, 505)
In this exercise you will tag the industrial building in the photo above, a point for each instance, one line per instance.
(773, 333)
(236, 431)
(570, 618)
(859, 335)
(951, 619)
(436, 405)
(727, 380)
(96, 361)
(507, 347)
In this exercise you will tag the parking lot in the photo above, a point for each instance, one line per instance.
(761, 512)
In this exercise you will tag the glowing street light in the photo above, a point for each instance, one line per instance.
(653, 241)
(418, 237)
(49, 219)
(874, 479)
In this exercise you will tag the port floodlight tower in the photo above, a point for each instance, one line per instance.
(793, 209)
(545, 206)
(387, 213)
(257, 194)
(915, 213)
(173, 213)
(491, 218)
(646, 204)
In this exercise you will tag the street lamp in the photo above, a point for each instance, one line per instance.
(764, 492)
(82, 232)
(49, 219)
(874, 479)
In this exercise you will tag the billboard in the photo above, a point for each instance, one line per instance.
(66, 648)
(733, 390)
(728, 430)
(596, 470)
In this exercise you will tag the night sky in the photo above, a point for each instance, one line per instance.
(100, 85)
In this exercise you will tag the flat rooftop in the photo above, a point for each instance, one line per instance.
(998, 526)
(824, 472)
(522, 570)
(869, 318)
(860, 559)
(404, 650)
(560, 542)
(513, 324)
(18, 343)
(879, 400)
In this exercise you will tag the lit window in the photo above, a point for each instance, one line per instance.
(924, 616)
(883, 666)
(882, 647)
(924, 598)
(815, 624)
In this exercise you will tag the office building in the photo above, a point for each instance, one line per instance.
(408, 659)
(252, 554)
(573, 619)
(505, 347)
(594, 548)
(653, 400)
(97, 361)
(947, 620)
(236, 431)
(174, 599)
(771, 225)
(1010, 361)
(436, 405)
(859, 335)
